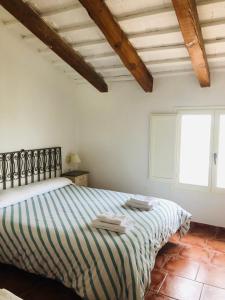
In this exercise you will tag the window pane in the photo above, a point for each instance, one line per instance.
(195, 149)
(221, 154)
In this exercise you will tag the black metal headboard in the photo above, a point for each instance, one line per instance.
(26, 166)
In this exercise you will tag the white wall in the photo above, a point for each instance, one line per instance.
(114, 138)
(40, 107)
(37, 102)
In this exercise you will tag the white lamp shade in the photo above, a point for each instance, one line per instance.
(75, 159)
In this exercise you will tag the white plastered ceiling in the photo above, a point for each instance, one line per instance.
(151, 27)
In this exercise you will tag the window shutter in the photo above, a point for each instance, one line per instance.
(162, 146)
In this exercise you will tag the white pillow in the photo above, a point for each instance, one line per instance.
(6, 295)
(21, 193)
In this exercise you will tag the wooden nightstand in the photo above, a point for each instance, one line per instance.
(78, 177)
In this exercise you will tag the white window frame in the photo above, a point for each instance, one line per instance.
(151, 176)
(217, 113)
(191, 186)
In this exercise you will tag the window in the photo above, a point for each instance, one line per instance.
(219, 155)
(201, 149)
(189, 148)
(194, 159)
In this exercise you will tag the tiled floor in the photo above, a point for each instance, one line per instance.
(192, 268)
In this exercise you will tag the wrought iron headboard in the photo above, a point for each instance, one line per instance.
(26, 166)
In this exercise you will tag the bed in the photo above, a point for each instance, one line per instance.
(45, 229)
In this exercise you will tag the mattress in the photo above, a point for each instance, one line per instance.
(51, 235)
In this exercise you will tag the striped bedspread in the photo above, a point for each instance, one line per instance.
(51, 235)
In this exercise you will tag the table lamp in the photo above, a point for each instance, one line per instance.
(74, 160)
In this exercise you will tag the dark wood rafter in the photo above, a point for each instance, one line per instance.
(104, 19)
(187, 15)
(32, 21)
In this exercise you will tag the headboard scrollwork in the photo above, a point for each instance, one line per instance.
(26, 166)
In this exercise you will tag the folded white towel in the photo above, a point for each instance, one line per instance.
(142, 202)
(109, 217)
(126, 227)
(6, 295)
(147, 206)
(143, 199)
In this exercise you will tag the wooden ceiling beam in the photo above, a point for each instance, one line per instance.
(187, 15)
(104, 19)
(32, 21)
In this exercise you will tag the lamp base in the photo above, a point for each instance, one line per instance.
(76, 167)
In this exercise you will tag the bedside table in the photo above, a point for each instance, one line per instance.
(77, 177)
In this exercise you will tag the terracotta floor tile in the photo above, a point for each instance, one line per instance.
(152, 296)
(217, 245)
(157, 278)
(196, 253)
(192, 226)
(211, 275)
(161, 260)
(203, 230)
(212, 293)
(192, 239)
(219, 259)
(182, 267)
(181, 288)
(175, 238)
(171, 249)
(220, 235)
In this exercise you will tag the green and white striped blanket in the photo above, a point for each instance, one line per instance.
(51, 235)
